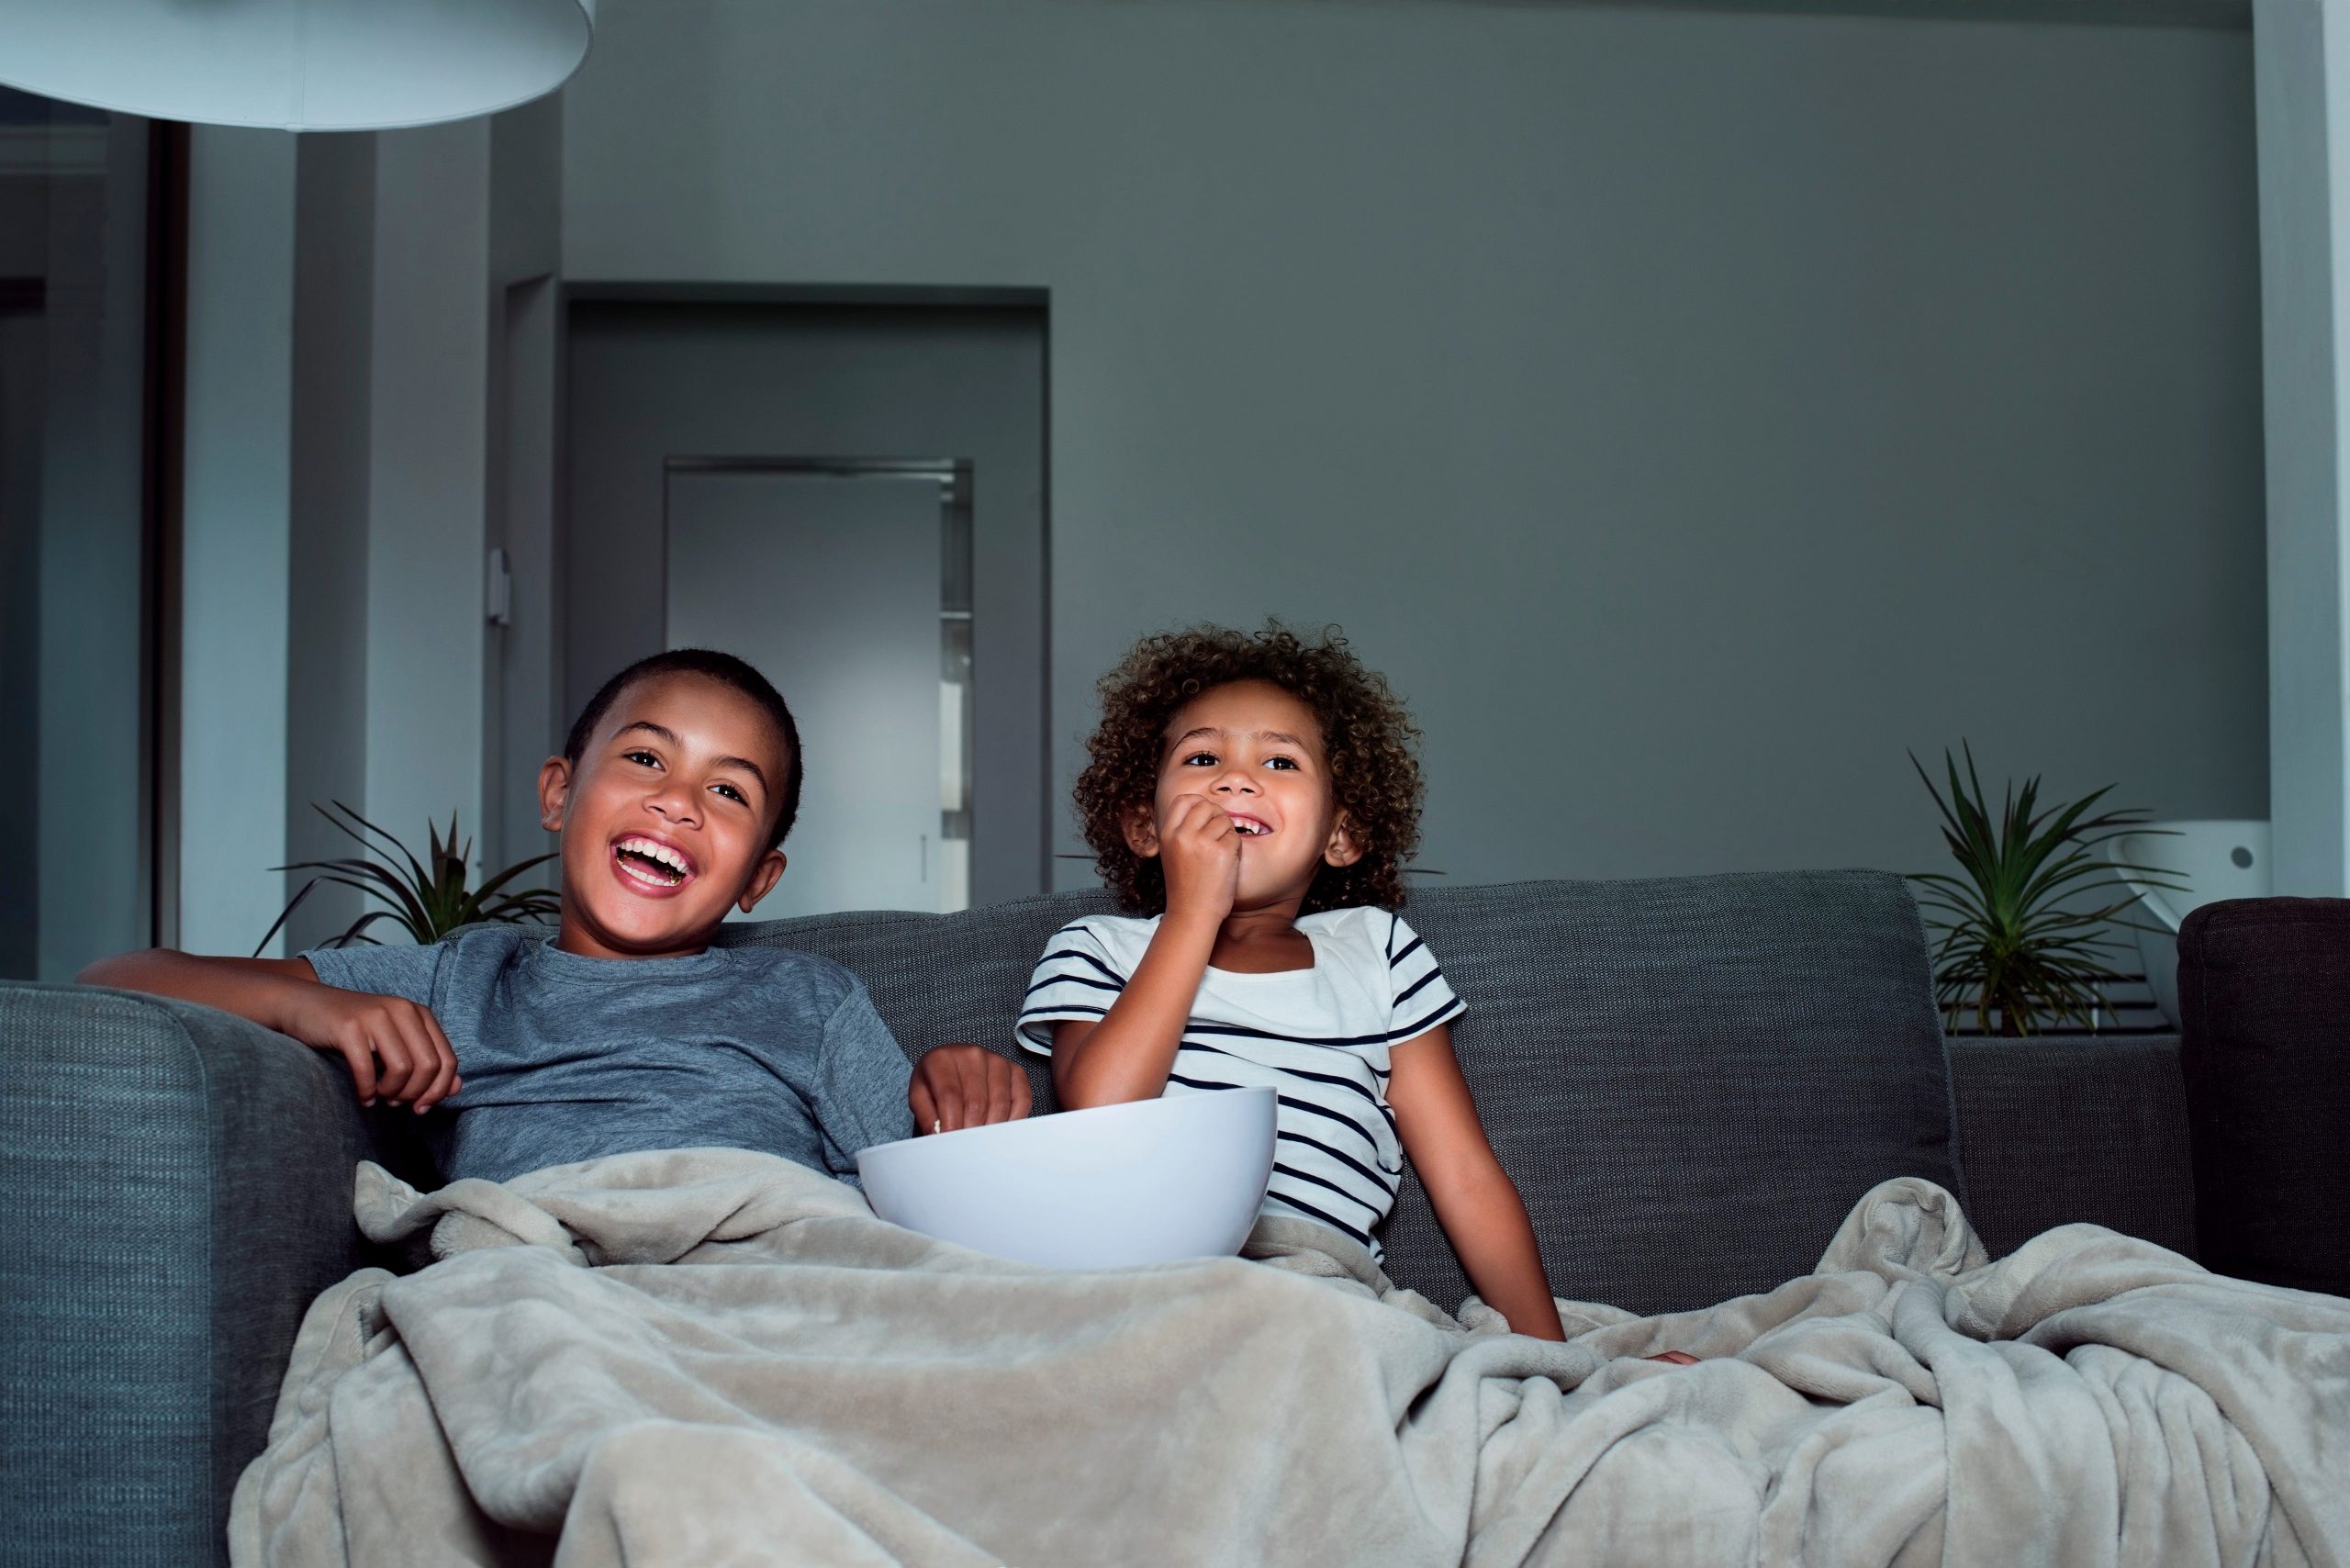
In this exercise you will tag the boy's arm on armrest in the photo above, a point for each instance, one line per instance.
(394, 1047)
(250, 988)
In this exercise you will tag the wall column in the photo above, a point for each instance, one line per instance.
(236, 537)
(2301, 75)
(429, 456)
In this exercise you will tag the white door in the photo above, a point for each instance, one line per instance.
(830, 585)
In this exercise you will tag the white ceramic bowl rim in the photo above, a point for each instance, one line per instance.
(1021, 1127)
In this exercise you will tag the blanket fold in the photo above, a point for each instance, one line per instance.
(714, 1356)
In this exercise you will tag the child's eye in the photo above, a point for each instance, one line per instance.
(643, 758)
(1200, 758)
(1281, 762)
(730, 792)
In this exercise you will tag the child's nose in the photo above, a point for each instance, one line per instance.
(675, 804)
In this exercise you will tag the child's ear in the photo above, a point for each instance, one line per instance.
(763, 880)
(555, 793)
(1142, 830)
(1343, 849)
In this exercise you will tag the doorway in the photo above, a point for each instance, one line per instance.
(787, 561)
(850, 495)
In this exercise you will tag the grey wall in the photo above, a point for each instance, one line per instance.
(326, 748)
(522, 714)
(1688, 410)
(429, 435)
(236, 519)
(72, 268)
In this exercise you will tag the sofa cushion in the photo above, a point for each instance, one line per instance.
(1690, 1079)
(2264, 994)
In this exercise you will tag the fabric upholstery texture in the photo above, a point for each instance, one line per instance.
(2058, 1128)
(174, 1187)
(1688, 1078)
(2264, 991)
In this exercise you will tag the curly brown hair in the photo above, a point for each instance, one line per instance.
(1366, 734)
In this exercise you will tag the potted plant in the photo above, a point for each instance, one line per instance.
(2024, 920)
(428, 898)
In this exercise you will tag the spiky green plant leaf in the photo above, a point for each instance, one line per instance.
(427, 897)
(2016, 940)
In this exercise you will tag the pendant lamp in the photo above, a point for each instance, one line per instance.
(294, 65)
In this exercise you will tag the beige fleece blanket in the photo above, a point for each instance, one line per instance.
(711, 1357)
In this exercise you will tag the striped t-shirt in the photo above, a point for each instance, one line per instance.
(1317, 1036)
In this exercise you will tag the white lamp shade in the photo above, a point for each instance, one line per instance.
(294, 65)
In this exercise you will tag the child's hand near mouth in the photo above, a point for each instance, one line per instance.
(1201, 850)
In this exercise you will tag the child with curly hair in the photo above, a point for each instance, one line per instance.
(1250, 800)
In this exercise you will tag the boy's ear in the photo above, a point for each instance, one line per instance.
(1142, 830)
(555, 793)
(1343, 848)
(763, 880)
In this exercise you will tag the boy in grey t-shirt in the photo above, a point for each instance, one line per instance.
(625, 1029)
(565, 1056)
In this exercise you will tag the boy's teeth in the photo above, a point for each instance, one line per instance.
(662, 859)
(653, 851)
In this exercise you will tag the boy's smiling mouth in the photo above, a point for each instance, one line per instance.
(1245, 824)
(650, 866)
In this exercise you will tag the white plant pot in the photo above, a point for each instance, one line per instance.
(2216, 859)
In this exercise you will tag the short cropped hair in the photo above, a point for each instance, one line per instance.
(727, 670)
(1366, 734)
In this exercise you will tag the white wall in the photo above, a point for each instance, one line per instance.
(2304, 94)
(235, 544)
(1689, 410)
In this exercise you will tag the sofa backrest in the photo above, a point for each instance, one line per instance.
(1690, 1079)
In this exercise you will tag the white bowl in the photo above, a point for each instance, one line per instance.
(1148, 1181)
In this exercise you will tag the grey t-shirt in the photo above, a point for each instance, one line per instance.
(565, 1057)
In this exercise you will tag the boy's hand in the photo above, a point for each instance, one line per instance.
(1200, 852)
(396, 1048)
(965, 1086)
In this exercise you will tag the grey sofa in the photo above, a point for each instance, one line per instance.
(1691, 1080)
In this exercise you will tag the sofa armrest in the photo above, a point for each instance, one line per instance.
(2058, 1128)
(2264, 996)
(177, 1188)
